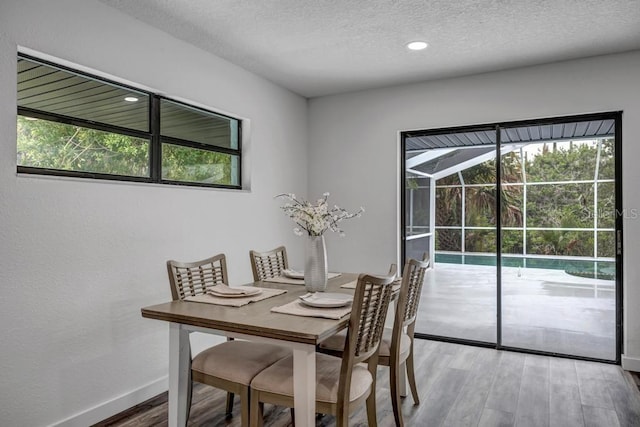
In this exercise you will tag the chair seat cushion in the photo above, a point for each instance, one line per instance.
(278, 378)
(336, 343)
(237, 361)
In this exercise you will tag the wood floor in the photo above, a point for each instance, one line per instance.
(460, 386)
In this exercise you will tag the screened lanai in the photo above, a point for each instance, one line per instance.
(537, 273)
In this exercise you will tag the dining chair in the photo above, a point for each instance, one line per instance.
(396, 348)
(231, 365)
(266, 265)
(342, 384)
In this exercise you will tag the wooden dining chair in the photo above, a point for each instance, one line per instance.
(396, 348)
(342, 384)
(231, 365)
(266, 265)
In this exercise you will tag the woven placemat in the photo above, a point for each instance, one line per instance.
(236, 301)
(297, 308)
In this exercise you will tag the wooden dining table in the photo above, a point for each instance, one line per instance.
(254, 321)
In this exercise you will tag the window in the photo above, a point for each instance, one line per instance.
(74, 124)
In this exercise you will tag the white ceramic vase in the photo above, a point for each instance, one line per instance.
(315, 268)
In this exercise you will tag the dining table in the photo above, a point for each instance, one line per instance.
(256, 322)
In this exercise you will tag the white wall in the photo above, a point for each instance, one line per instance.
(354, 148)
(78, 258)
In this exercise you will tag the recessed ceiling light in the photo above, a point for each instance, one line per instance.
(417, 45)
(131, 99)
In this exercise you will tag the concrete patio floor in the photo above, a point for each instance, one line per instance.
(546, 310)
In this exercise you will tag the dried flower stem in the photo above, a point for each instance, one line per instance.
(317, 218)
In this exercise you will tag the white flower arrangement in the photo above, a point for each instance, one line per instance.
(318, 218)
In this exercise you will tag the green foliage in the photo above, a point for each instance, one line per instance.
(570, 205)
(412, 183)
(448, 240)
(560, 205)
(192, 165)
(53, 145)
(559, 163)
(565, 205)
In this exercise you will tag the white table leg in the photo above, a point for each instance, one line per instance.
(178, 375)
(304, 385)
(404, 391)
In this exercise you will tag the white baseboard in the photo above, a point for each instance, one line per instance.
(115, 406)
(630, 363)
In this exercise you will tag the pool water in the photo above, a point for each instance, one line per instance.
(581, 268)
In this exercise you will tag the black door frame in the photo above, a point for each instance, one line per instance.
(497, 127)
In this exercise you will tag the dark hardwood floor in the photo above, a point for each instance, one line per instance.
(459, 386)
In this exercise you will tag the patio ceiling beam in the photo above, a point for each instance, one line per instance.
(427, 175)
(427, 156)
(475, 161)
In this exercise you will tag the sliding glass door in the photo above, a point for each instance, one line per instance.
(450, 187)
(558, 265)
(553, 285)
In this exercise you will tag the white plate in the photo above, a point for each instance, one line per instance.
(249, 293)
(293, 274)
(326, 299)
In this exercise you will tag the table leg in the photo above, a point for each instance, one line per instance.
(304, 385)
(179, 378)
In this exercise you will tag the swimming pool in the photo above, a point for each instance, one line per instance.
(601, 269)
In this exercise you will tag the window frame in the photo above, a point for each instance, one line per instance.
(153, 136)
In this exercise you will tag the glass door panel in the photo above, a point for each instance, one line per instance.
(450, 188)
(558, 275)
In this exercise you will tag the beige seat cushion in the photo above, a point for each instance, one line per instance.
(238, 361)
(336, 343)
(279, 379)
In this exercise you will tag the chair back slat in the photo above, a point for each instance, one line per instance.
(370, 305)
(196, 278)
(412, 281)
(266, 265)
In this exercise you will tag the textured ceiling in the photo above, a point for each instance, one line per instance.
(321, 47)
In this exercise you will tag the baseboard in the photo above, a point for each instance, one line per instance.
(115, 406)
(630, 363)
